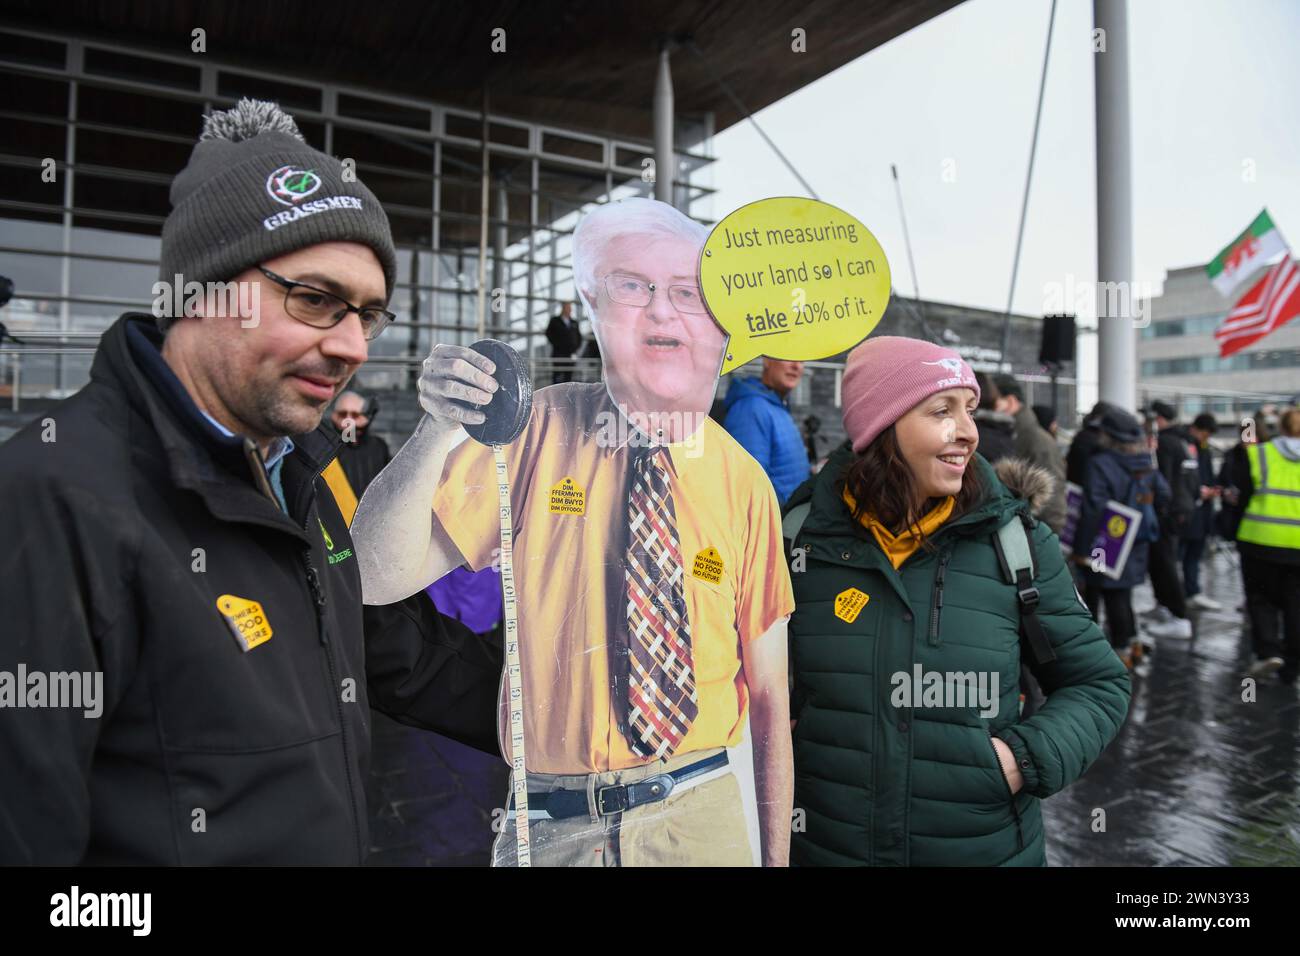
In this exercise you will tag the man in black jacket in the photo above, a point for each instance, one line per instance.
(1034, 445)
(363, 454)
(1171, 460)
(1086, 443)
(997, 430)
(171, 549)
(1200, 525)
(566, 341)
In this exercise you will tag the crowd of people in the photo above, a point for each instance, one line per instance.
(1189, 493)
(897, 635)
(1168, 470)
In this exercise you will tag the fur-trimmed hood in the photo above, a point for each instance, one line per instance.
(1027, 481)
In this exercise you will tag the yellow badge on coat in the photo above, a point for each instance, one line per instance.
(849, 604)
(246, 619)
(568, 498)
(708, 566)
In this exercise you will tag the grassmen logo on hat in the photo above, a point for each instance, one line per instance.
(325, 204)
(290, 185)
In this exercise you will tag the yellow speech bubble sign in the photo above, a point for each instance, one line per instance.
(792, 278)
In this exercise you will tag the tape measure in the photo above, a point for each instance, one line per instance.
(514, 673)
(504, 420)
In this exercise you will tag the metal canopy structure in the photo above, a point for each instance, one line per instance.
(485, 129)
(483, 160)
(581, 64)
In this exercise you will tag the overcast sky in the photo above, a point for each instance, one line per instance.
(1216, 136)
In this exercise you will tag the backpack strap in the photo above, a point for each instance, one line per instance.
(792, 521)
(795, 512)
(1015, 551)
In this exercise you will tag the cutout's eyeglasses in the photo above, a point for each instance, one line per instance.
(631, 290)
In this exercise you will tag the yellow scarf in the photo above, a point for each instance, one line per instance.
(898, 548)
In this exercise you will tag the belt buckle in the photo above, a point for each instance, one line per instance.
(620, 790)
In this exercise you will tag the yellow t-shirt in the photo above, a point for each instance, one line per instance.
(568, 476)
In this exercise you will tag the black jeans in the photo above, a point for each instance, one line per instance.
(1273, 588)
(1163, 567)
(1191, 550)
(1120, 623)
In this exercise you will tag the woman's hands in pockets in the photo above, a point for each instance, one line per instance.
(1007, 760)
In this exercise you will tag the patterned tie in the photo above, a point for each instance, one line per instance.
(661, 684)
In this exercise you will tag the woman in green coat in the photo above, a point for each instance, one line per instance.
(910, 748)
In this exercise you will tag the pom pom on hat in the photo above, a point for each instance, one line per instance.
(247, 119)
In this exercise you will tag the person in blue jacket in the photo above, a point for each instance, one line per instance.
(759, 418)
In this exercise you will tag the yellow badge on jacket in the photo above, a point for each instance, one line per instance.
(246, 620)
(708, 566)
(849, 604)
(568, 498)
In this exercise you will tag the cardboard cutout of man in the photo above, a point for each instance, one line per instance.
(652, 589)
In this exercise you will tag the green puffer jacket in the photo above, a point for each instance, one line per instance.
(889, 776)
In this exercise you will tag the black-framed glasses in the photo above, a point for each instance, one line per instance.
(631, 290)
(324, 310)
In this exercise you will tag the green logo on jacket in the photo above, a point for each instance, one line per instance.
(329, 543)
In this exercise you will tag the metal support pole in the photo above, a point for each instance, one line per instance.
(65, 265)
(485, 174)
(531, 281)
(665, 161)
(916, 286)
(1117, 337)
(1003, 362)
(500, 268)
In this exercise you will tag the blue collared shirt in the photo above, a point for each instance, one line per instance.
(275, 452)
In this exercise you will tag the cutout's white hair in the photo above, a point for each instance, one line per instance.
(636, 216)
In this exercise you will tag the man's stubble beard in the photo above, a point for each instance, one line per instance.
(280, 410)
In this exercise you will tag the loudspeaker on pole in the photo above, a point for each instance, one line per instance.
(1057, 345)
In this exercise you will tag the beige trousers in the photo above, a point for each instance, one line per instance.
(701, 825)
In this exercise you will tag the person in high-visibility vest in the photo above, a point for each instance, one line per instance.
(1269, 542)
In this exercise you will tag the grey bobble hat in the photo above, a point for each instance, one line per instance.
(254, 190)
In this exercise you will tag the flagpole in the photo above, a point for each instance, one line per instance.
(1117, 336)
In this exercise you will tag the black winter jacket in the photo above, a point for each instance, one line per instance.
(129, 521)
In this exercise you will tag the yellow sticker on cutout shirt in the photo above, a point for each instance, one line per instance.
(708, 566)
(568, 498)
(246, 619)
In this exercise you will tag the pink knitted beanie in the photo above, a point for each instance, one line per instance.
(886, 376)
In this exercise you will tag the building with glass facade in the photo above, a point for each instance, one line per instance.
(95, 133)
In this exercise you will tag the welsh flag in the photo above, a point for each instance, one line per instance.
(1233, 265)
(1274, 301)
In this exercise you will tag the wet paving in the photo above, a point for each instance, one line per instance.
(1197, 776)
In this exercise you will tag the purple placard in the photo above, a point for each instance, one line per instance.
(1115, 535)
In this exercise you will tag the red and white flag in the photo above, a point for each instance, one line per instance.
(1271, 303)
